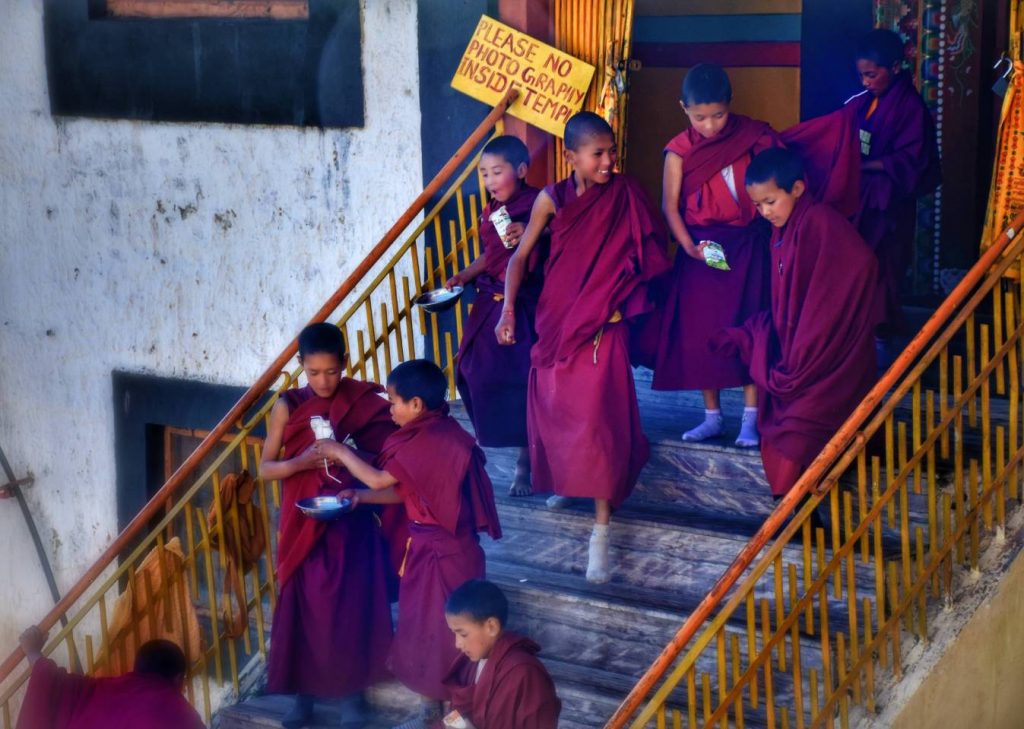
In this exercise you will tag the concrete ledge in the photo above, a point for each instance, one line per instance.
(969, 673)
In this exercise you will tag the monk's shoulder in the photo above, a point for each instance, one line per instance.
(530, 193)
(357, 388)
(633, 187)
(520, 659)
(824, 226)
(823, 218)
(680, 144)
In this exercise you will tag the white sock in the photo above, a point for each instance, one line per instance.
(597, 555)
(710, 428)
(748, 437)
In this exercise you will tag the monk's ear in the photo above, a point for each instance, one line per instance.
(493, 626)
(417, 404)
(521, 171)
(799, 188)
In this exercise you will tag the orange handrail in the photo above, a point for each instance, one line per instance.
(819, 470)
(260, 387)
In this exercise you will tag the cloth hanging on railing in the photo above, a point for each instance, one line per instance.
(243, 545)
(155, 604)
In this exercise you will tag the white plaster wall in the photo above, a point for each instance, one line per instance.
(184, 250)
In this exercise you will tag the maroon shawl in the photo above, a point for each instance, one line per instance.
(433, 458)
(830, 149)
(514, 690)
(57, 699)
(356, 409)
(606, 246)
(706, 157)
(812, 357)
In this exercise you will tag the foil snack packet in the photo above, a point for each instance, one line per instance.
(714, 256)
(501, 220)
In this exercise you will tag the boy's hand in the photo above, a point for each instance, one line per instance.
(456, 280)
(513, 233)
(506, 329)
(350, 494)
(310, 459)
(32, 642)
(332, 450)
(695, 250)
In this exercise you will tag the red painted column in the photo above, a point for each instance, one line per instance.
(533, 17)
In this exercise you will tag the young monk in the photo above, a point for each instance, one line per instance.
(147, 698)
(899, 160)
(812, 355)
(704, 200)
(498, 681)
(607, 243)
(326, 569)
(492, 379)
(437, 470)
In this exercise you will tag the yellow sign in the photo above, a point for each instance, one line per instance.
(551, 84)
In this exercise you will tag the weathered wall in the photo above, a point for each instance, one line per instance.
(976, 683)
(192, 251)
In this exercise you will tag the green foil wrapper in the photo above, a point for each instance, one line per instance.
(714, 256)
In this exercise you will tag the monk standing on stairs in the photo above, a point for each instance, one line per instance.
(812, 355)
(436, 469)
(332, 626)
(491, 378)
(607, 243)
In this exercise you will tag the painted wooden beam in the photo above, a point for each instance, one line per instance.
(276, 9)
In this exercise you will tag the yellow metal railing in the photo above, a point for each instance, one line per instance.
(926, 470)
(181, 586)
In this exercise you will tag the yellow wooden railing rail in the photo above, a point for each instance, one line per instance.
(382, 328)
(599, 33)
(912, 484)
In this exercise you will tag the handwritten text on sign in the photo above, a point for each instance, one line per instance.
(552, 84)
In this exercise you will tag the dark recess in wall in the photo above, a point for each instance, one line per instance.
(829, 33)
(246, 71)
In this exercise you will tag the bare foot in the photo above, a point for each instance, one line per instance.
(521, 485)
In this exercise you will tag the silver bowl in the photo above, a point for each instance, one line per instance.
(438, 299)
(324, 508)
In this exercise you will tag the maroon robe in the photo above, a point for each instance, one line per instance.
(56, 699)
(582, 414)
(701, 300)
(492, 378)
(830, 152)
(901, 135)
(812, 356)
(449, 498)
(514, 690)
(332, 626)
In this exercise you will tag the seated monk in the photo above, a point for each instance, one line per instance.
(147, 698)
(498, 681)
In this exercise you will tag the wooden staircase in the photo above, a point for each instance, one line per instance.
(695, 507)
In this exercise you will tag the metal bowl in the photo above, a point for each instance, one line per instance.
(324, 508)
(438, 299)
